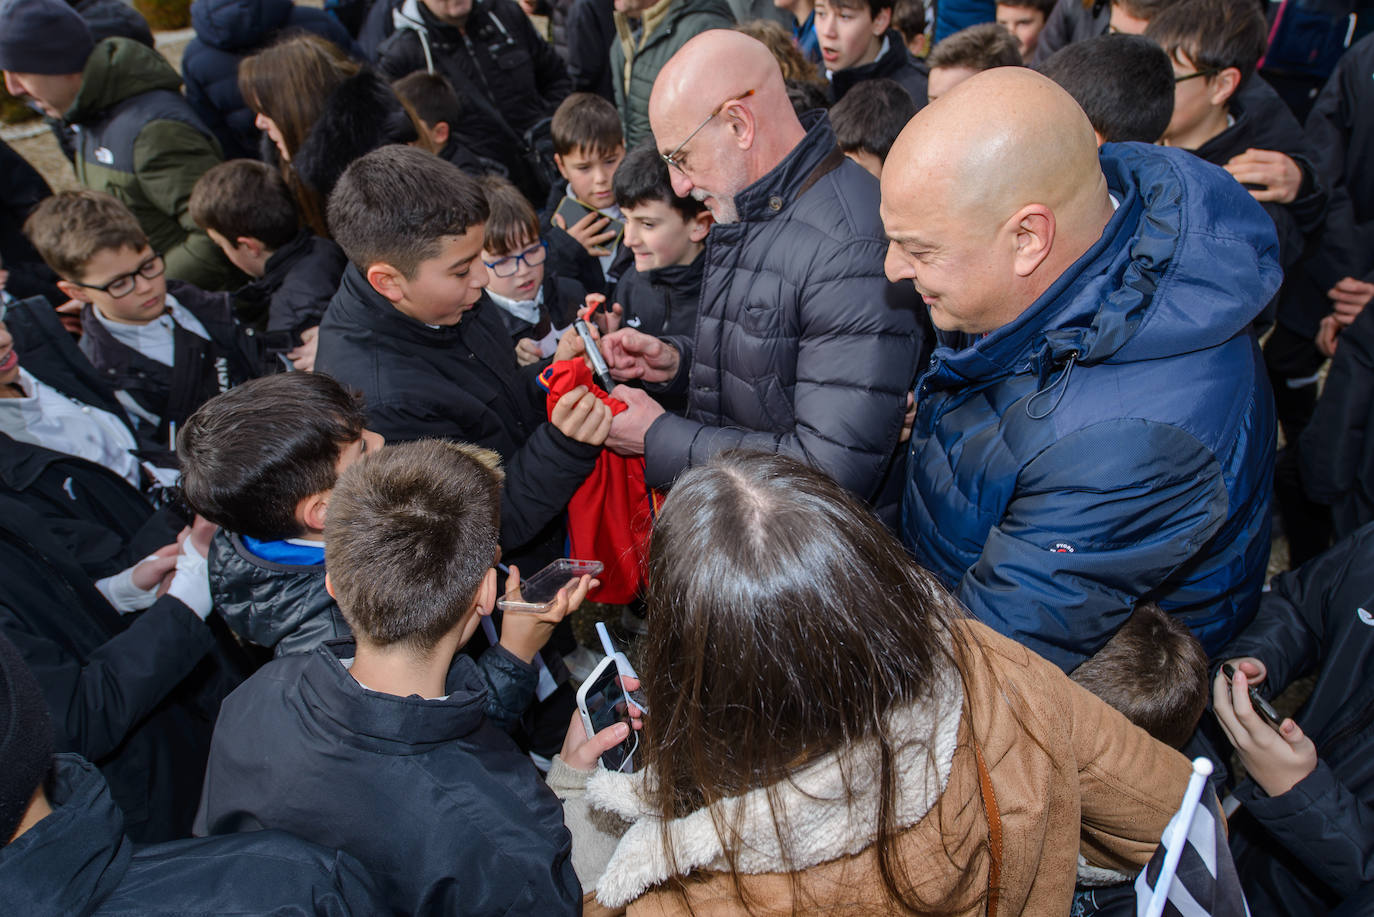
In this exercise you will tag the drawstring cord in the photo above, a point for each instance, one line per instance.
(1062, 383)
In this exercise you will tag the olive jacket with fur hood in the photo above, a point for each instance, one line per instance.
(1069, 775)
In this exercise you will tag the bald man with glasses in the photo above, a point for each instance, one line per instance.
(802, 345)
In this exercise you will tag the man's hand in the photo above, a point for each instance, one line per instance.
(523, 634)
(1327, 333)
(1275, 759)
(628, 428)
(581, 416)
(632, 354)
(527, 351)
(590, 232)
(1349, 297)
(303, 357)
(1279, 177)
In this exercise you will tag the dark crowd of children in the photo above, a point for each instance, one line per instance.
(274, 412)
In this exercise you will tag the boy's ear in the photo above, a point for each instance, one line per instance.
(74, 291)
(882, 21)
(558, 161)
(440, 133)
(1224, 86)
(699, 225)
(329, 586)
(386, 280)
(311, 511)
(255, 247)
(486, 593)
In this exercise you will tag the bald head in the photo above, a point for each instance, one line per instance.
(717, 68)
(1006, 154)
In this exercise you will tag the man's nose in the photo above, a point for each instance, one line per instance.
(896, 265)
(682, 185)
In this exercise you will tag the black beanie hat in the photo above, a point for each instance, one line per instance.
(25, 738)
(43, 36)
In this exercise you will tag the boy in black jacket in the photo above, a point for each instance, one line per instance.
(667, 234)
(858, 43)
(410, 331)
(1304, 838)
(246, 209)
(378, 744)
(166, 347)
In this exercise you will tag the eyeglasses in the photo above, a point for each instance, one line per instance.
(1192, 76)
(672, 158)
(510, 265)
(124, 284)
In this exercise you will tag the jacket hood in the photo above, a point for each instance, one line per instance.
(117, 69)
(385, 723)
(238, 25)
(360, 115)
(1187, 262)
(76, 857)
(829, 808)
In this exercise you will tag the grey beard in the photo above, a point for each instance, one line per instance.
(724, 211)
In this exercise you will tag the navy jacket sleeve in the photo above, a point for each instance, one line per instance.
(1328, 828)
(511, 683)
(1097, 522)
(95, 705)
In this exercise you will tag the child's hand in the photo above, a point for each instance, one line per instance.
(570, 344)
(303, 357)
(156, 569)
(581, 416)
(590, 232)
(1275, 759)
(608, 320)
(523, 634)
(527, 352)
(581, 752)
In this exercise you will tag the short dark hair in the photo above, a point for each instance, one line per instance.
(979, 48)
(393, 205)
(1045, 7)
(244, 197)
(431, 96)
(1154, 671)
(909, 18)
(512, 223)
(251, 454)
(70, 228)
(1124, 83)
(874, 7)
(585, 121)
(411, 531)
(1145, 10)
(643, 176)
(870, 116)
(1212, 34)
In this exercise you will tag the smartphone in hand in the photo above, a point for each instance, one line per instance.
(1265, 709)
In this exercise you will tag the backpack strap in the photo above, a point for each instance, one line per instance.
(994, 828)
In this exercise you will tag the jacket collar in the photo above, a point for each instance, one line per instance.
(23, 463)
(76, 857)
(825, 815)
(894, 58)
(786, 180)
(118, 69)
(680, 278)
(364, 309)
(383, 723)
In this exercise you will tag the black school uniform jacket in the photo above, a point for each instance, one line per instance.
(438, 804)
(458, 382)
(663, 301)
(1305, 850)
(911, 73)
(562, 298)
(298, 282)
(200, 369)
(135, 694)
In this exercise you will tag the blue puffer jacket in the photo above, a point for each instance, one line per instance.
(227, 31)
(1116, 441)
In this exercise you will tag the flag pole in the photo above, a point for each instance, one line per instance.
(1183, 823)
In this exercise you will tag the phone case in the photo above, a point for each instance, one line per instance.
(538, 592)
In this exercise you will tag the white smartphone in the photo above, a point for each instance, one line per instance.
(601, 701)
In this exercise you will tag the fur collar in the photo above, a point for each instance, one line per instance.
(822, 823)
(360, 115)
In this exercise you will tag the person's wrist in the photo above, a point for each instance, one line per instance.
(191, 582)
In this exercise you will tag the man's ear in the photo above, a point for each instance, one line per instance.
(882, 22)
(1034, 227)
(742, 124)
(387, 281)
(311, 511)
(74, 291)
(1224, 86)
(699, 225)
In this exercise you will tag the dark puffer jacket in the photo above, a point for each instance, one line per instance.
(78, 861)
(896, 63)
(661, 302)
(802, 345)
(1068, 22)
(1302, 851)
(227, 31)
(1116, 441)
(299, 280)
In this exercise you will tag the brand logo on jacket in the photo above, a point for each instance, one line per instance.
(1062, 547)
(103, 155)
(1364, 616)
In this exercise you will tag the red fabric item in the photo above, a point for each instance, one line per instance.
(612, 513)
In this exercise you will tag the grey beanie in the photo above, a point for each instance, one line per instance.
(43, 36)
(26, 738)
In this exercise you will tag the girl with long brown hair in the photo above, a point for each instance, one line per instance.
(828, 734)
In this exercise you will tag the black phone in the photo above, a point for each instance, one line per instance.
(1262, 707)
(572, 210)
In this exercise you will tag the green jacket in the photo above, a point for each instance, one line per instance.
(140, 141)
(637, 57)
